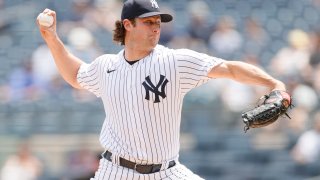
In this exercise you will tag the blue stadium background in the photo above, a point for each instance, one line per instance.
(59, 123)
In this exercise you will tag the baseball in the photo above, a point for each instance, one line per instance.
(45, 20)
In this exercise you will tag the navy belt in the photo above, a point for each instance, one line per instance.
(142, 169)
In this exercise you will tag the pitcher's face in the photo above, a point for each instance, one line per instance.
(147, 31)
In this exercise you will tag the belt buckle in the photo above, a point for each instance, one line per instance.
(135, 167)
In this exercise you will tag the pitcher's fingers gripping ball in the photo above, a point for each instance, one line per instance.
(273, 106)
(45, 20)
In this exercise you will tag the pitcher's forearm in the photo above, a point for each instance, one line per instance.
(246, 73)
(250, 74)
(67, 64)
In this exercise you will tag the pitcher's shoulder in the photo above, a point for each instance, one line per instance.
(160, 49)
(108, 57)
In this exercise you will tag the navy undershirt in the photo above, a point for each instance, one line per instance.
(132, 62)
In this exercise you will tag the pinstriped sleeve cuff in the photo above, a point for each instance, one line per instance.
(87, 77)
(80, 74)
(213, 62)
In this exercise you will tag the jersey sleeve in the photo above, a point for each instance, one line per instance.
(193, 67)
(89, 77)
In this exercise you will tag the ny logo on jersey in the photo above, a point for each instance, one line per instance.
(154, 4)
(149, 86)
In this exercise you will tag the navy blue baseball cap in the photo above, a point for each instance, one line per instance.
(143, 8)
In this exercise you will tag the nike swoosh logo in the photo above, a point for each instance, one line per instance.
(109, 71)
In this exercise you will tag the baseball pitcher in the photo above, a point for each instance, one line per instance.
(142, 89)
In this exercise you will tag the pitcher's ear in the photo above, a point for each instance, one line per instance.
(127, 24)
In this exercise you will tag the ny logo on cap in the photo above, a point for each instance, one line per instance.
(154, 4)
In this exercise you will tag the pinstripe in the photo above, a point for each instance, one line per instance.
(179, 98)
(110, 115)
(91, 73)
(127, 120)
(134, 116)
(189, 62)
(165, 105)
(115, 107)
(127, 176)
(151, 125)
(105, 171)
(115, 124)
(175, 90)
(115, 174)
(191, 68)
(158, 123)
(186, 78)
(122, 172)
(135, 127)
(91, 82)
(193, 74)
(108, 173)
(174, 174)
(169, 105)
(93, 70)
(133, 176)
(104, 67)
(136, 105)
(122, 150)
(145, 119)
(188, 54)
(182, 176)
(98, 172)
(156, 109)
(141, 109)
(121, 120)
(101, 71)
(155, 155)
(127, 139)
(132, 121)
(166, 141)
(188, 84)
(119, 105)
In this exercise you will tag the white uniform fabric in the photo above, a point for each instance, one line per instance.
(143, 101)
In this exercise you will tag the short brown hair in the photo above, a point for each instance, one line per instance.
(119, 32)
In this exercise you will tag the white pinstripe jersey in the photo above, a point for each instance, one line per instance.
(143, 101)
